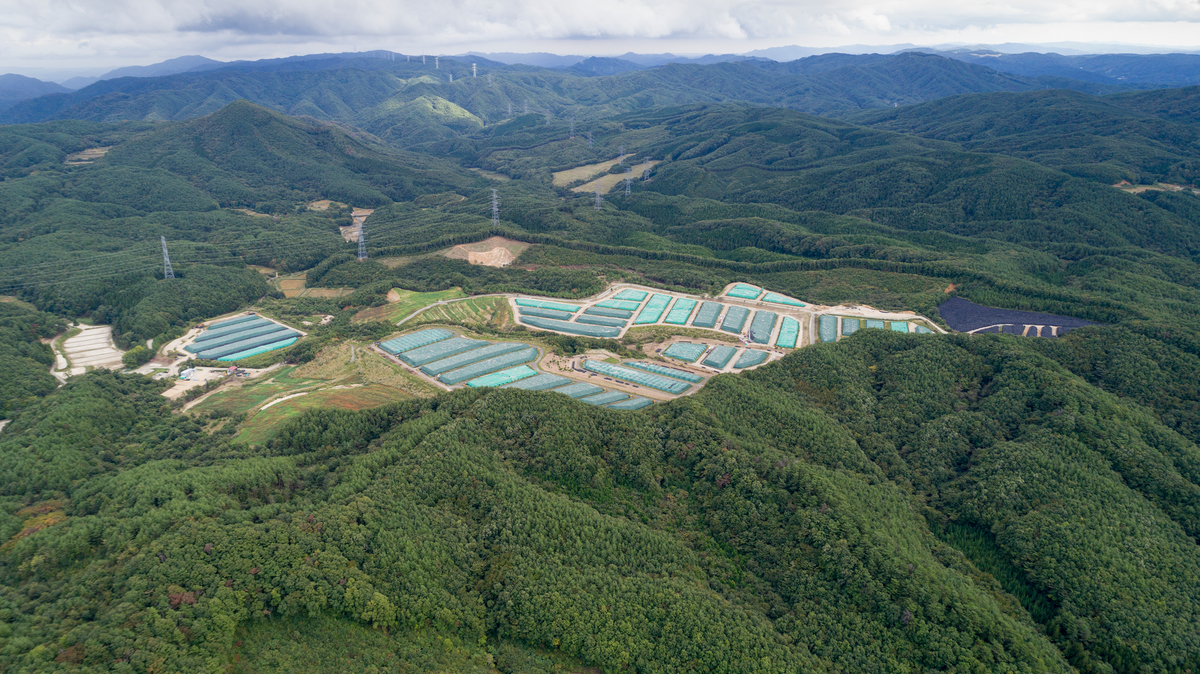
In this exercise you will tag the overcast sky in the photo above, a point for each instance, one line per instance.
(95, 35)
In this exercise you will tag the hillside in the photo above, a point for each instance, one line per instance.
(378, 95)
(17, 88)
(1107, 139)
(883, 503)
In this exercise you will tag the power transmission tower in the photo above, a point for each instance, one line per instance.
(436, 63)
(527, 106)
(509, 106)
(362, 241)
(599, 199)
(589, 138)
(495, 209)
(646, 170)
(621, 152)
(422, 59)
(451, 77)
(473, 71)
(167, 271)
(628, 179)
(490, 82)
(547, 113)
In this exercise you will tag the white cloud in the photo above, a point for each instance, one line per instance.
(143, 31)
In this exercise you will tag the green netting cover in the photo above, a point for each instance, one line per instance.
(545, 313)
(604, 398)
(488, 366)
(827, 328)
(678, 315)
(619, 304)
(850, 326)
(922, 330)
(600, 320)
(412, 341)
(503, 377)
(706, 317)
(611, 313)
(634, 403)
(635, 376)
(541, 382)
(788, 332)
(750, 358)
(547, 305)
(439, 350)
(900, 326)
(579, 390)
(237, 336)
(720, 356)
(434, 368)
(762, 326)
(247, 344)
(213, 333)
(685, 351)
(571, 328)
(735, 319)
(233, 321)
(776, 298)
(261, 349)
(666, 371)
(874, 323)
(744, 291)
(653, 310)
(630, 294)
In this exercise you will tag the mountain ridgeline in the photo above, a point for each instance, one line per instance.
(883, 503)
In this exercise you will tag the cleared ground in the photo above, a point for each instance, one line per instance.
(492, 174)
(87, 156)
(405, 302)
(605, 183)
(496, 251)
(493, 311)
(586, 172)
(92, 347)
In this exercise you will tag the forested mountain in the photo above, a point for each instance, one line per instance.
(378, 94)
(1154, 70)
(885, 503)
(16, 88)
(1108, 138)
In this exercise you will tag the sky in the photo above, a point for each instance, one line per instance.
(92, 36)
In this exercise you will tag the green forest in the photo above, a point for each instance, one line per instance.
(885, 503)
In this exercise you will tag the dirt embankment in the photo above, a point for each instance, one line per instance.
(494, 252)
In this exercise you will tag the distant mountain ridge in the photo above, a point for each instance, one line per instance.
(337, 87)
(16, 88)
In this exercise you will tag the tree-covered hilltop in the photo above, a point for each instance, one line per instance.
(409, 101)
(888, 503)
(1106, 139)
(25, 361)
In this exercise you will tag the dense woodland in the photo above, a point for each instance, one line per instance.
(886, 503)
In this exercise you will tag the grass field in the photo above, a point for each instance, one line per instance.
(260, 427)
(657, 333)
(343, 376)
(584, 172)
(493, 311)
(407, 303)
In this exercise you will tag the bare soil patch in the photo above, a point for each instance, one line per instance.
(494, 252)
